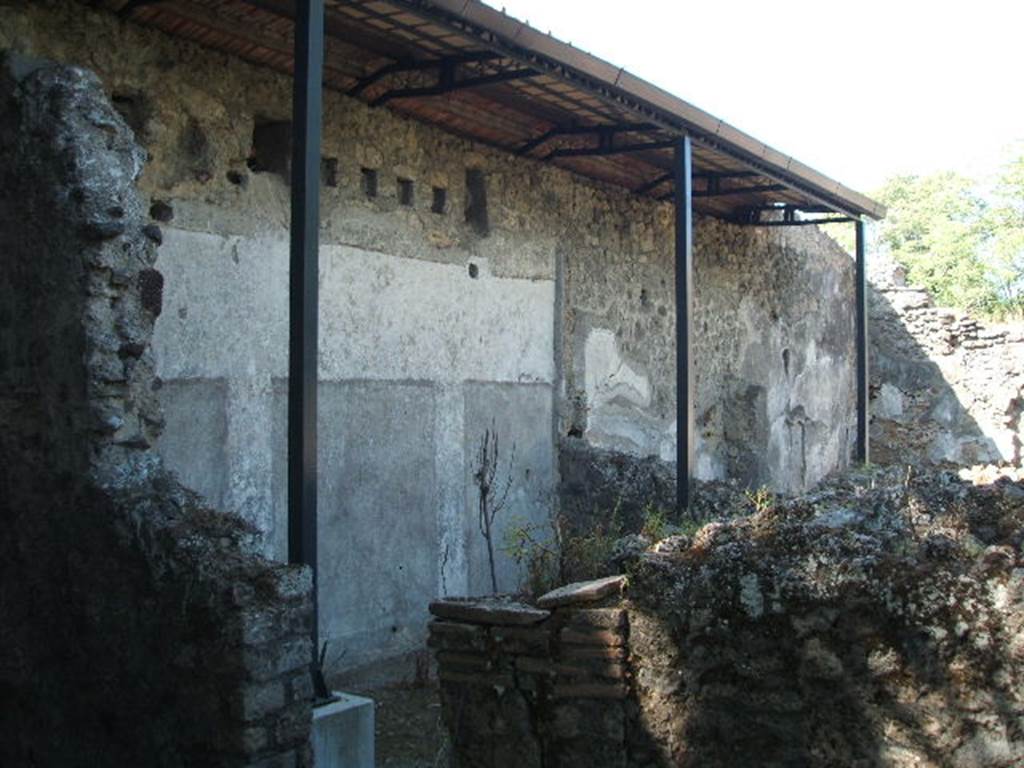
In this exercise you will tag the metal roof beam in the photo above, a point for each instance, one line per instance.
(718, 192)
(582, 130)
(750, 215)
(419, 66)
(448, 84)
(799, 222)
(602, 151)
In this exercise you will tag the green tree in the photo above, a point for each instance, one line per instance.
(1006, 224)
(939, 227)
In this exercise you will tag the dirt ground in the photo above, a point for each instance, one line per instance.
(408, 725)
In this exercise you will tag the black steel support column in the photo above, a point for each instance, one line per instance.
(863, 454)
(303, 286)
(683, 170)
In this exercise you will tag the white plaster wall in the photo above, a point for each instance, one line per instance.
(397, 333)
(381, 317)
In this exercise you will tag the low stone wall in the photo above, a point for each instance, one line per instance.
(139, 626)
(535, 687)
(876, 622)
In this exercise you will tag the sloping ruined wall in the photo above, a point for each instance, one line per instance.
(551, 316)
(139, 626)
(872, 623)
(945, 387)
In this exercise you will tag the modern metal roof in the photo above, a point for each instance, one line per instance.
(478, 73)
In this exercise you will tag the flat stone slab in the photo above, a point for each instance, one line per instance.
(582, 592)
(488, 610)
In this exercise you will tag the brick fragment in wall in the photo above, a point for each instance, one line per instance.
(604, 638)
(476, 678)
(456, 636)
(570, 652)
(464, 662)
(594, 618)
(514, 640)
(591, 691)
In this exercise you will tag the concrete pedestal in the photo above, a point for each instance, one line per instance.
(343, 733)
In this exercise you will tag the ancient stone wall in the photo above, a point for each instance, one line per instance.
(140, 626)
(875, 622)
(553, 317)
(946, 389)
(773, 346)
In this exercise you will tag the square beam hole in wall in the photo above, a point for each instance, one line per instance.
(271, 150)
(405, 192)
(369, 181)
(329, 171)
(439, 201)
(476, 201)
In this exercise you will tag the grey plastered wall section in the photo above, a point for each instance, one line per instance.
(378, 564)
(428, 305)
(195, 433)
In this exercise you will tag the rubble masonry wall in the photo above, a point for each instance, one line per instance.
(140, 626)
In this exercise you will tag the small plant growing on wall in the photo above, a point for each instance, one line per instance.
(493, 494)
(762, 500)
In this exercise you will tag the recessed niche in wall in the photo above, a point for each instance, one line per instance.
(476, 201)
(271, 150)
(474, 271)
(405, 192)
(329, 171)
(369, 181)
(439, 201)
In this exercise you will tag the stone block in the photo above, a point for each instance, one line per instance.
(590, 691)
(287, 759)
(535, 666)
(582, 592)
(343, 733)
(293, 724)
(463, 662)
(476, 678)
(450, 635)
(488, 610)
(254, 739)
(262, 698)
(516, 640)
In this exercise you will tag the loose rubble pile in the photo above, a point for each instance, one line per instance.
(878, 621)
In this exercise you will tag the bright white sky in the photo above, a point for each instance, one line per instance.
(859, 90)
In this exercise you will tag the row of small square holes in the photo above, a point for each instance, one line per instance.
(405, 191)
